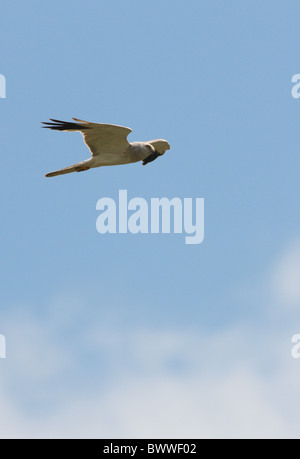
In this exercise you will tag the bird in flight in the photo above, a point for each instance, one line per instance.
(108, 145)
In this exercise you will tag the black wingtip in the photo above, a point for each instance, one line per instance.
(59, 125)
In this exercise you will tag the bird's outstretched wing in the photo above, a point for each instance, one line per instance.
(100, 138)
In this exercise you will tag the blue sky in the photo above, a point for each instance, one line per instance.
(89, 317)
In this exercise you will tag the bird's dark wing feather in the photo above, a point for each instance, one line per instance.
(58, 125)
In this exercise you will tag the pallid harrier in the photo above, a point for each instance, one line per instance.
(108, 145)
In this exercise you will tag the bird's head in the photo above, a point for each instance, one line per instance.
(159, 145)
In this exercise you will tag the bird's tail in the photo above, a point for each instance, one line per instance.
(78, 167)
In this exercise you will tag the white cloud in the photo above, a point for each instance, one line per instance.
(212, 395)
(286, 276)
(113, 382)
(165, 407)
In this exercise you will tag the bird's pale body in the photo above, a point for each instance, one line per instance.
(136, 151)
